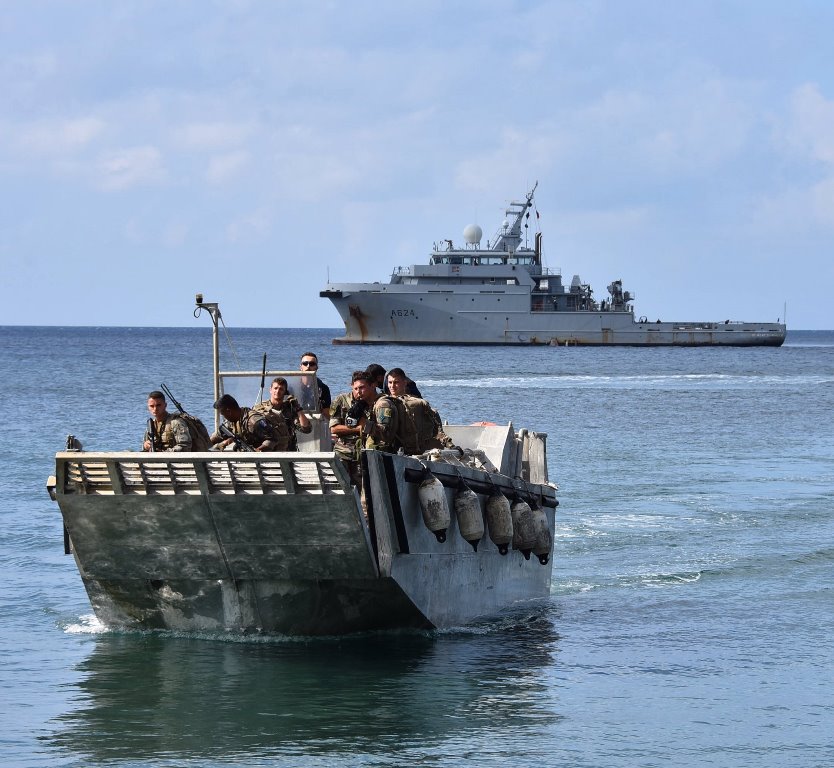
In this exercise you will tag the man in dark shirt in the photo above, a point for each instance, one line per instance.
(310, 364)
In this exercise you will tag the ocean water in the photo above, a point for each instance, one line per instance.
(691, 616)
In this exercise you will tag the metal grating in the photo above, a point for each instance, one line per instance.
(289, 474)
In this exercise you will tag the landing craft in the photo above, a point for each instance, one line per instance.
(224, 541)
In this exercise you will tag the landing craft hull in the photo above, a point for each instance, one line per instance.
(207, 542)
(393, 314)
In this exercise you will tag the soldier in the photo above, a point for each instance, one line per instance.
(350, 412)
(377, 374)
(165, 432)
(381, 429)
(249, 426)
(310, 364)
(381, 381)
(288, 407)
(421, 428)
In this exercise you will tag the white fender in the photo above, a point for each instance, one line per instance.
(543, 545)
(470, 517)
(524, 528)
(499, 521)
(434, 506)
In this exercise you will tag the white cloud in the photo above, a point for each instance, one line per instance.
(58, 136)
(131, 167)
(822, 201)
(212, 135)
(811, 129)
(808, 136)
(221, 168)
(175, 233)
(250, 228)
(518, 158)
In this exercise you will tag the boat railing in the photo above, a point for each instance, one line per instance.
(210, 473)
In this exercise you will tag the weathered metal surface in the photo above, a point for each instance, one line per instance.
(279, 542)
(449, 583)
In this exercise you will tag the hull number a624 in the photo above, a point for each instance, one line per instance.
(402, 313)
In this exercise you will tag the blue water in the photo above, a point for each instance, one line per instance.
(692, 611)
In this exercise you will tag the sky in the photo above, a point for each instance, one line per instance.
(250, 150)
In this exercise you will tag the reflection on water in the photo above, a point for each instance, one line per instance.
(148, 695)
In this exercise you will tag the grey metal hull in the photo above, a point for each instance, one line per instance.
(375, 313)
(277, 544)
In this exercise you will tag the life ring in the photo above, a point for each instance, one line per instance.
(482, 424)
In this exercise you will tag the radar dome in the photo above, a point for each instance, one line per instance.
(472, 234)
(506, 224)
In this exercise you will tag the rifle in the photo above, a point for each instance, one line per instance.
(170, 396)
(152, 435)
(239, 444)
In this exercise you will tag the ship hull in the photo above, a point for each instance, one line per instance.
(280, 544)
(395, 314)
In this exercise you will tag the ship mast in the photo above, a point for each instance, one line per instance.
(508, 238)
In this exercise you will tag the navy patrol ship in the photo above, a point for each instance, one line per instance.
(503, 294)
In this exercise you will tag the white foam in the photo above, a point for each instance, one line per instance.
(88, 624)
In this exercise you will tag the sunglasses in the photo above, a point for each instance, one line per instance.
(309, 363)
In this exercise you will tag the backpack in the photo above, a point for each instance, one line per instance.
(199, 434)
(419, 425)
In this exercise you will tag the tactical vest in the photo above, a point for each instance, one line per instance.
(383, 427)
(348, 447)
(166, 439)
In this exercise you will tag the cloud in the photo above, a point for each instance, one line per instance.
(55, 137)
(250, 228)
(509, 163)
(822, 201)
(806, 197)
(212, 135)
(221, 168)
(811, 127)
(134, 166)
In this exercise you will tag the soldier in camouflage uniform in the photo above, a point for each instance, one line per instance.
(420, 428)
(349, 413)
(382, 428)
(284, 406)
(381, 381)
(170, 432)
(250, 426)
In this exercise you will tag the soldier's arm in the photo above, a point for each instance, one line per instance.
(338, 428)
(301, 419)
